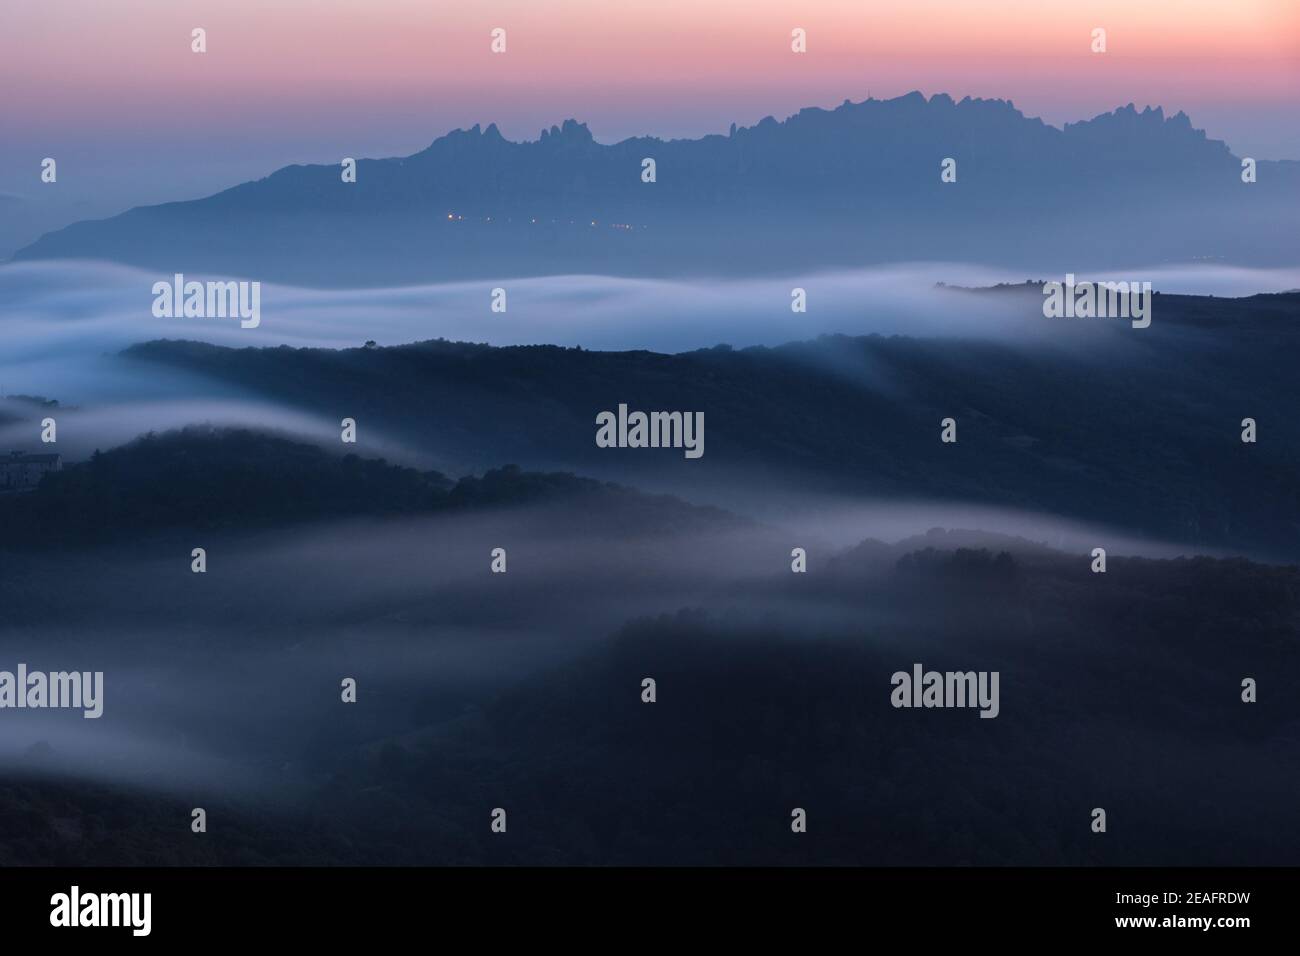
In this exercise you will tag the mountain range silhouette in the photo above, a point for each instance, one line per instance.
(849, 186)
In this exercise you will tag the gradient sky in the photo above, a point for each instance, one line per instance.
(112, 90)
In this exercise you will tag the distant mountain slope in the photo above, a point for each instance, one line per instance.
(1143, 434)
(860, 183)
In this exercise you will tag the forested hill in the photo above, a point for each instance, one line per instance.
(1141, 430)
(207, 479)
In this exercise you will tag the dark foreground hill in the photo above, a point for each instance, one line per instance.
(1119, 691)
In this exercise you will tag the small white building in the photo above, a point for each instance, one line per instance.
(22, 472)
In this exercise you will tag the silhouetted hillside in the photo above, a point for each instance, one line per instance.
(203, 478)
(1139, 429)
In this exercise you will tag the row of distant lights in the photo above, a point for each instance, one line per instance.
(453, 217)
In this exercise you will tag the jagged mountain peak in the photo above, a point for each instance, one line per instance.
(825, 187)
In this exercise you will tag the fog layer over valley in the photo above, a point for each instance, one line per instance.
(1083, 420)
(58, 316)
(523, 689)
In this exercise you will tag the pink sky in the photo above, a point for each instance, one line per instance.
(305, 80)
